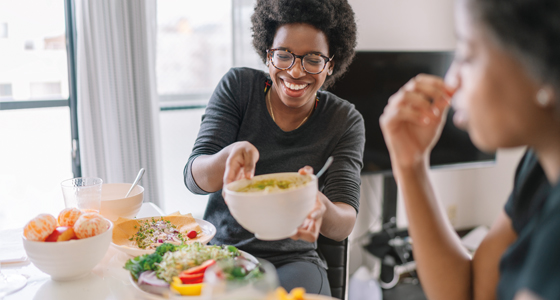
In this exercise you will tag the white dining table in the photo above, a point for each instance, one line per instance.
(108, 280)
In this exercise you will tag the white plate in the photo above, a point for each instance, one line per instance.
(151, 296)
(208, 229)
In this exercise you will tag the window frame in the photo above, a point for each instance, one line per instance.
(71, 101)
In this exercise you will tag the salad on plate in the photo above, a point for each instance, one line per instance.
(180, 269)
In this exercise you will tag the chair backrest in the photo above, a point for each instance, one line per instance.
(336, 255)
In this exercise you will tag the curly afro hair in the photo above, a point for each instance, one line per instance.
(335, 18)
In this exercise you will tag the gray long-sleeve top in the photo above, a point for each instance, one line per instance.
(237, 112)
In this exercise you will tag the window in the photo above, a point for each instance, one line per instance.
(194, 51)
(35, 127)
(45, 89)
(3, 30)
(198, 42)
(28, 53)
(5, 90)
(29, 45)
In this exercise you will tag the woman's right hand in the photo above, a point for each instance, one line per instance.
(241, 162)
(413, 119)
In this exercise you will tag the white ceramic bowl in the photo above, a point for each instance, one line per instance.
(274, 215)
(71, 259)
(113, 203)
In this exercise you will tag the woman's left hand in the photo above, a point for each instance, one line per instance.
(309, 230)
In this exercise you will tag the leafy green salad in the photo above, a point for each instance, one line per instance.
(170, 260)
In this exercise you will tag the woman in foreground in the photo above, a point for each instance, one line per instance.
(259, 123)
(505, 85)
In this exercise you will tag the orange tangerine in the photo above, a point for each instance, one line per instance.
(39, 228)
(69, 216)
(90, 224)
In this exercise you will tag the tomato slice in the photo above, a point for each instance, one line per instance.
(201, 268)
(191, 278)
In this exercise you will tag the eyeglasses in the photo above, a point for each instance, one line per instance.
(284, 60)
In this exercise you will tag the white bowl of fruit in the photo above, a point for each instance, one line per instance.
(69, 247)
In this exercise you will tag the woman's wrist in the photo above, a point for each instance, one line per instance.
(411, 170)
(338, 220)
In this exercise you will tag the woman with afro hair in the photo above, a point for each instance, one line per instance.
(283, 121)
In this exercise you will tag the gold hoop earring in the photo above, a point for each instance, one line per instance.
(543, 98)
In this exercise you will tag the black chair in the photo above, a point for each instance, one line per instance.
(336, 255)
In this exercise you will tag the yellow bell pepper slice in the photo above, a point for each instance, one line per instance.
(194, 289)
(298, 293)
(295, 294)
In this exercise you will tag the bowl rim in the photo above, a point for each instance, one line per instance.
(124, 183)
(65, 182)
(227, 190)
(110, 229)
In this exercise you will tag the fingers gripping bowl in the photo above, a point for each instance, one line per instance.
(272, 206)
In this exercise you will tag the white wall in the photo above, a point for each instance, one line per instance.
(475, 195)
(472, 196)
(404, 24)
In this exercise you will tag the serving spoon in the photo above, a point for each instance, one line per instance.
(138, 177)
(325, 167)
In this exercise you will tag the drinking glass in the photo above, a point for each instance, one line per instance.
(83, 193)
(218, 286)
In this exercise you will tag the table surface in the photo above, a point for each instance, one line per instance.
(108, 280)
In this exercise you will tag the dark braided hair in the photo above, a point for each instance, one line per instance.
(530, 29)
(335, 18)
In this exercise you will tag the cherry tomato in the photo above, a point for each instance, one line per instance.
(192, 234)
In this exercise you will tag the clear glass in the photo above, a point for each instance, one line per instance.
(35, 156)
(194, 45)
(33, 46)
(217, 287)
(83, 193)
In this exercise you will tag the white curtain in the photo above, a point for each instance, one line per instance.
(117, 97)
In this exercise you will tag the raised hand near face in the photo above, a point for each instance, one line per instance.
(413, 119)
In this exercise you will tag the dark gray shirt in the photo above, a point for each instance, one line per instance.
(237, 112)
(532, 262)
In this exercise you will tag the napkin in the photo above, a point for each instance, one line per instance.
(11, 246)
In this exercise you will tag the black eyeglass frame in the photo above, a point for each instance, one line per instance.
(269, 53)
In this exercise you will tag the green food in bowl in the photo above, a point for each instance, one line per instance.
(271, 185)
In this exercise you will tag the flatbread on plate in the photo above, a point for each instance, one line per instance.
(124, 228)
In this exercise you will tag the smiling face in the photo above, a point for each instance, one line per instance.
(495, 94)
(295, 87)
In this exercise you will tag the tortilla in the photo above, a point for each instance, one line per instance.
(124, 228)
